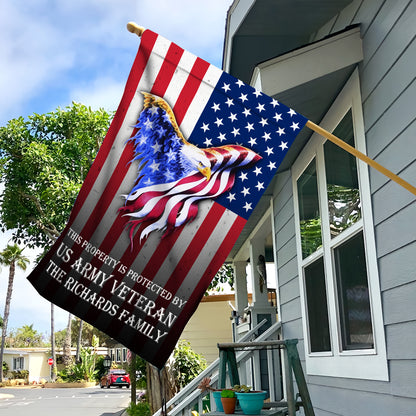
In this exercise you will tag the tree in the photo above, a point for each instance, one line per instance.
(12, 257)
(26, 336)
(43, 163)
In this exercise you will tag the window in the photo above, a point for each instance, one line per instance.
(118, 355)
(18, 363)
(124, 355)
(341, 303)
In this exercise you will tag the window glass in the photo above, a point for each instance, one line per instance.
(310, 220)
(353, 294)
(317, 307)
(344, 203)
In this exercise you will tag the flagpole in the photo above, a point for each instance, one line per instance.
(138, 30)
(135, 28)
(361, 156)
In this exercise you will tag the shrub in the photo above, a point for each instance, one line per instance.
(187, 363)
(139, 409)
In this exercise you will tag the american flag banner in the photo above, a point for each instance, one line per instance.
(187, 157)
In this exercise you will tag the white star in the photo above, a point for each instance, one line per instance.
(231, 197)
(243, 176)
(208, 142)
(216, 107)
(266, 136)
(271, 165)
(283, 145)
(229, 102)
(277, 117)
(257, 171)
(154, 166)
(247, 206)
(232, 117)
(156, 147)
(260, 107)
(260, 186)
(269, 151)
(280, 131)
(169, 175)
(257, 93)
(218, 122)
(222, 137)
(148, 181)
(291, 112)
(274, 103)
(245, 191)
(153, 110)
(252, 141)
(246, 112)
(240, 83)
(236, 132)
(263, 121)
(205, 127)
(249, 126)
(226, 87)
(143, 139)
(243, 97)
(295, 126)
(161, 131)
(148, 124)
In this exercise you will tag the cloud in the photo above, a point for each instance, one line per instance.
(101, 93)
(54, 52)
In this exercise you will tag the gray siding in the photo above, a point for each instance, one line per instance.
(388, 88)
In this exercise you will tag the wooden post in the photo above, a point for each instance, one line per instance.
(134, 28)
(361, 156)
(294, 361)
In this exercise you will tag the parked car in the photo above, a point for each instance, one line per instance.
(115, 377)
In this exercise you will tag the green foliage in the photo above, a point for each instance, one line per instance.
(88, 333)
(23, 374)
(187, 363)
(43, 162)
(139, 409)
(86, 370)
(5, 367)
(227, 393)
(12, 256)
(224, 276)
(25, 336)
(242, 388)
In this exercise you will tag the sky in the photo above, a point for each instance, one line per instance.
(55, 52)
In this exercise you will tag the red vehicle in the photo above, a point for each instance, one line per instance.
(115, 377)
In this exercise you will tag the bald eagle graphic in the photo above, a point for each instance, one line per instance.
(173, 174)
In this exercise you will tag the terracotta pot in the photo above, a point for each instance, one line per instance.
(228, 403)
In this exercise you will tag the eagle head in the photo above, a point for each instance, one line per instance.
(194, 159)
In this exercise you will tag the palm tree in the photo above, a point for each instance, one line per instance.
(12, 257)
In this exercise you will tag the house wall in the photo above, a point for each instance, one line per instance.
(388, 88)
(209, 325)
(38, 367)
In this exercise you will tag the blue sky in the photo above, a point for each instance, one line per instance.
(55, 52)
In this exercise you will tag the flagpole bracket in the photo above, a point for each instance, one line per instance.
(135, 28)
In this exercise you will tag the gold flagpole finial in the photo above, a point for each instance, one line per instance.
(135, 28)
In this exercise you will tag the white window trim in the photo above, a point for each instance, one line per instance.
(362, 364)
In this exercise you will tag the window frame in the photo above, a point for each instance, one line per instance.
(358, 363)
(21, 361)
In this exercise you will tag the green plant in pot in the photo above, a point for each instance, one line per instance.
(251, 402)
(228, 400)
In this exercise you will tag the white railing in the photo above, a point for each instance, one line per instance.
(248, 362)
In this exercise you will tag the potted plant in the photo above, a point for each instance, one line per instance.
(251, 401)
(205, 385)
(228, 400)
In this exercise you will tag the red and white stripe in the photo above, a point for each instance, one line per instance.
(184, 262)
